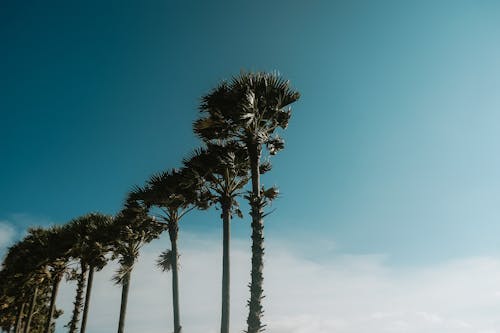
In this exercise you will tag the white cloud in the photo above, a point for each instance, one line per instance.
(347, 294)
(7, 234)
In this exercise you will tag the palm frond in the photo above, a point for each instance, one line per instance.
(121, 274)
(165, 261)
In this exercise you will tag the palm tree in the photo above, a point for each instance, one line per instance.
(77, 304)
(174, 195)
(59, 246)
(99, 246)
(40, 305)
(25, 267)
(91, 243)
(132, 228)
(250, 109)
(12, 300)
(223, 169)
(17, 327)
(58, 270)
(18, 318)
(26, 281)
(14, 291)
(11, 308)
(30, 265)
(31, 309)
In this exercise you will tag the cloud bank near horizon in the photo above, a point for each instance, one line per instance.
(346, 294)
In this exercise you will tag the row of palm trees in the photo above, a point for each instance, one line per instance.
(238, 126)
(34, 267)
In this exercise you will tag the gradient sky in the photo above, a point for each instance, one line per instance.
(390, 177)
(392, 149)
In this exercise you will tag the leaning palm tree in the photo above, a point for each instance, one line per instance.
(250, 108)
(91, 243)
(174, 195)
(40, 308)
(57, 271)
(133, 228)
(14, 295)
(57, 253)
(9, 308)
(26, 267)
(223, 169)
(13, 292)
(101, 239)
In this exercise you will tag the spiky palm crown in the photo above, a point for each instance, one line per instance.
(133, 223)
(222, 169)
(132, 227)
(24, 253)
(27, 261)
(91, 239)
(250, 108)
(172, 191)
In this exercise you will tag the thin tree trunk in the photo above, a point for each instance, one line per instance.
(173, 231)
(123, 307)
(256, 290)
(87, 299)
(19, 319)
(52, 307)
(30, 313)
(226, 234)
(78, 299)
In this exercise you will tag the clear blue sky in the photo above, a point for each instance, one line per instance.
(392, 149)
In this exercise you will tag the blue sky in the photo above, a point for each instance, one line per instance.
(392, 148)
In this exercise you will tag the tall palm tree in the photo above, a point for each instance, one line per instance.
(101, 239)
(15, 293)
(17, 327)
(223, 169)
(59, 247)
(12, 300)
(26, 265)
(25, 277)
(58, 270)
(80, 277)
(28, 260)
(133, 228)
(91, 243)
(174, 195)
(31, 309)
(36, 318)
(12, 297)
(250, 108)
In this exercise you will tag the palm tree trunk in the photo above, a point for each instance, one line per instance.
(19, 319)
(255, 304)
(173, 231)
(78, 299)
(87, 299)
(55, 288)
(30, 313)
(123, 307)
(226, 234)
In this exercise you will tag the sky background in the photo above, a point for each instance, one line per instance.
(391, 161)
